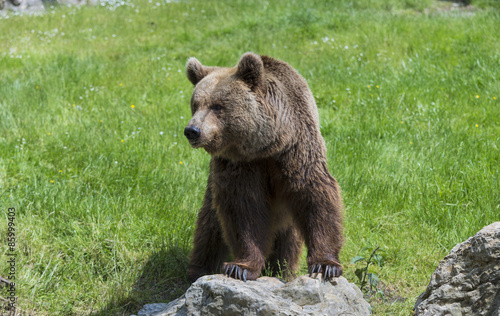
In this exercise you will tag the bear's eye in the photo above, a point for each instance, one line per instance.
(216, 107)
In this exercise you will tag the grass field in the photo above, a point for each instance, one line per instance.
(94, 100)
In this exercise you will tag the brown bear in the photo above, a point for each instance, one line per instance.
(269, 189)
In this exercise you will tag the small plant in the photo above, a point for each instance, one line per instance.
(280, 273)
(365, 275)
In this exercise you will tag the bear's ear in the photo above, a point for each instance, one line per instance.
(196, 71)
(251, 71)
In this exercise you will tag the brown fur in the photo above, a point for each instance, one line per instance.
(269, 188)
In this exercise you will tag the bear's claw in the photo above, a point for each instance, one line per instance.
(239, 273)
(329, 270)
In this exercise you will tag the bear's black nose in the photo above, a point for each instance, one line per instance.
(192, 133)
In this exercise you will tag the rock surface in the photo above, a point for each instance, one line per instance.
(220, 295)
(467, 281)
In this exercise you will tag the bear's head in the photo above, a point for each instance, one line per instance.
(231, 117)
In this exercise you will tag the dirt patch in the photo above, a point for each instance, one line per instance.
(451, 7)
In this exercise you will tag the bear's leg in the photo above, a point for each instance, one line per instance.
(285, 255)
(244, 214)
(319, 216)
(209, 251)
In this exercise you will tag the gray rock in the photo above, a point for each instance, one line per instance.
(220, 295)
(29, 6)
(151, 309)
(40, 6)
(467, 281)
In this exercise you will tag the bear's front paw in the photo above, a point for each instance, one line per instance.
(329, 269)
(240, 271)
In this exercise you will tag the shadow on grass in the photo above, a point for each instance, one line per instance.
(163, 279)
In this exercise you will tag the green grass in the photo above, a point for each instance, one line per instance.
(107, 194)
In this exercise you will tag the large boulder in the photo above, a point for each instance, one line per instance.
(220, 295)
(467, 281)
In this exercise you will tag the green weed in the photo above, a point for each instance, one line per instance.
(365, 275)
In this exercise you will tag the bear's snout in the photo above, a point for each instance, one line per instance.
(192, 133)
